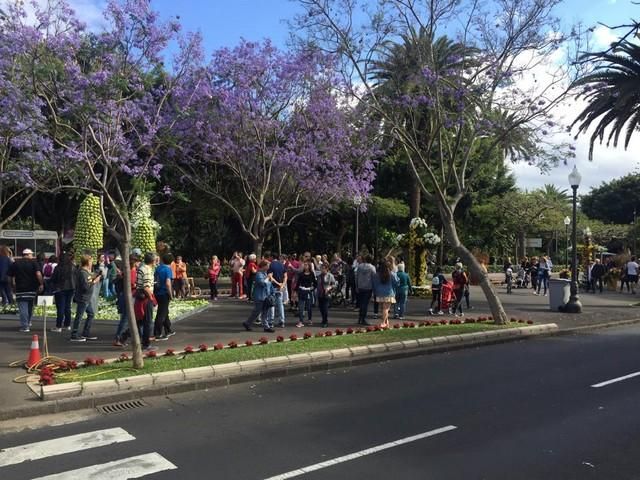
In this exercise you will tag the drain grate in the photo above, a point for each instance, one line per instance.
(120, 407)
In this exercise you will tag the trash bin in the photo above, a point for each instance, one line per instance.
(559, 292)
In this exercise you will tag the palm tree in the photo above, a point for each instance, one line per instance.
(612, 91)
(401, 71)
(552, 195)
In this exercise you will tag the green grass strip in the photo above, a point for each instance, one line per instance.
(273, 349)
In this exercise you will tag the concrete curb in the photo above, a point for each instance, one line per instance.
(598, 326)
(78, 395)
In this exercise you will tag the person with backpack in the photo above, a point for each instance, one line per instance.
(437, 282)
(402, 293)
(47, 273)
(385, 286)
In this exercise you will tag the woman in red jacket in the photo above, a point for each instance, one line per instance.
(212, 274)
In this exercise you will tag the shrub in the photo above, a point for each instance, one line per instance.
(263, 340)
(307, 335)
(151, 354)
(203, 347)
(339, 332)
(188, 349)
(218, 346)
(170, 352)
(293, 337)
(233, 344)
(248, 343)
(279, 338)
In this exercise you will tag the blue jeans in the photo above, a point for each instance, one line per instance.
(364, 296)
(123, 324)
(323, 305)
(543, 281)
(5, 293)
(25, 307)
(63, 300)
(81, 308)
(147, 324)
(259, 311)
(401, 302)
(305, 304)
(277, 309)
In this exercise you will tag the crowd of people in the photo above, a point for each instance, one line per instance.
(155, 281)
(305, 281)
(271, 283)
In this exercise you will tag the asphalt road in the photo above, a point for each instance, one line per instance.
(523, 410)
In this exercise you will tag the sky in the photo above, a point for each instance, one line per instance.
(224, 22)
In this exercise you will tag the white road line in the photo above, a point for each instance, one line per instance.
(614, 380)
(361, 453)
(133, 467)
(62, 445)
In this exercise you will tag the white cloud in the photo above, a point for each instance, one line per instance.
(608, 164)
(604, 36)
(87, 11)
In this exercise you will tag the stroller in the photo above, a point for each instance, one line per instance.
(522, 278)
(447, 297)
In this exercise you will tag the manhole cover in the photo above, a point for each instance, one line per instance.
(120, 406)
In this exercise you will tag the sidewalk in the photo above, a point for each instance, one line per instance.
(221, 322)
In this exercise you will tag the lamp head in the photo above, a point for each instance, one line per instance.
(567, 221)
(575, 178)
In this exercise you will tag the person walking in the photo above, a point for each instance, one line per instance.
(598, 271)
(145, 299)
(306, 284)
(436, 291)
(162, 289)
(326, 284)
(213, 273)
(262, 290)
(85, 281)
(28, 282)
(402, 293)
(385, 285)
(632, 274)
(278, 277)
(364, 288)
(179, 271)
(544, 269)
(6, 295)
(460, 279)
(63, 285)
(237, 266)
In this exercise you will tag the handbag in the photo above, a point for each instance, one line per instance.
(270, 301)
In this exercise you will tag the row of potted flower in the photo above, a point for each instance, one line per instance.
(47, 374)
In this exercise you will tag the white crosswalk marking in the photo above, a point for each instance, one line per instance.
(133, 467)
(59, 446)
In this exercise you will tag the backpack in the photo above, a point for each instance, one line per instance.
(47, 271)
(435, 282)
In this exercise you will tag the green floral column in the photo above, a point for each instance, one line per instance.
(417, 243)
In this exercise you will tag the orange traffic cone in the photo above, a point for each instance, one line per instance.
(34, 353)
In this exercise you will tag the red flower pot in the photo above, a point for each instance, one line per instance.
(218, 346)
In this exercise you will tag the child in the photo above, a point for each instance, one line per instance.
(436, 285)
(509, 279)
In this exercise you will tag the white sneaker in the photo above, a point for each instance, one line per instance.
(440, 312)
(430, 312)
(56, 330)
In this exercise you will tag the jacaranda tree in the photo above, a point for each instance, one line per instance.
(269, 138)
(106, 97)
(495, 90)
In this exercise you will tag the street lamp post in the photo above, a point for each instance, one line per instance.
(635, 230)
(567, 222)
(357, 200)
(574, 305)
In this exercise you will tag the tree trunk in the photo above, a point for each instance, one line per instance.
(257, 246)
(415, 196)
(340, 236)
(136, 347)
(497, 310)
(279, 240)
